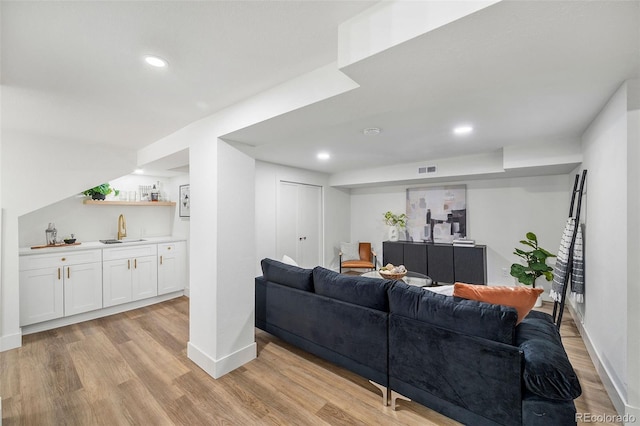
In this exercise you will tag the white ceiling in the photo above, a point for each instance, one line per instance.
(520, 72)
(73, 70)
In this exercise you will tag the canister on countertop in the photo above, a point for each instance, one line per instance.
(52, 234)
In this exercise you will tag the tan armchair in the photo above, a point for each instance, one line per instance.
(367, 258)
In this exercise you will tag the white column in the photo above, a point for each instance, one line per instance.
(222, 250)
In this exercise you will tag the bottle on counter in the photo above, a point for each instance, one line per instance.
(154, 193)
(52, 234)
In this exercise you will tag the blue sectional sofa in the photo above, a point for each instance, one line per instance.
(468, 360)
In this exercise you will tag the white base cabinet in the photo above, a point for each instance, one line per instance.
(41, 295)
(128, 274)
(82, 288)
(116, 282)
(171, 267)
(144, 277)
(53, 286)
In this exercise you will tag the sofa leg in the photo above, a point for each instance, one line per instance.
(384, 390)
(394, 397)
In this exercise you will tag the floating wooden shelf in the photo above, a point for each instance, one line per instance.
(130, 203)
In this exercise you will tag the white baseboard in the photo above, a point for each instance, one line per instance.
(631, 416)
(218, 368)
(11, 341)
(99, 313)
(615, 396)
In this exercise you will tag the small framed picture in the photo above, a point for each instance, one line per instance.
(185, 201)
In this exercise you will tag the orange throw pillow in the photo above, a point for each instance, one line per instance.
(521, 298)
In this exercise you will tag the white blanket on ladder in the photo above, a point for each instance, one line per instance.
(560, 270)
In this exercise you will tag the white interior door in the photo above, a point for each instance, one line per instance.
(287, 221)
(309, 225)
(299, 223)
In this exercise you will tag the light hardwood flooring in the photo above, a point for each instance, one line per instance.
(132, 368)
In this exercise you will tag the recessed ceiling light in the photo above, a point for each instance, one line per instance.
(155, 61)
(371, 131)
(138, 171)
(323, 156)
(463, 130)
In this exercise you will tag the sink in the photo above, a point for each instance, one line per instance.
(110, 241)
(121, 241)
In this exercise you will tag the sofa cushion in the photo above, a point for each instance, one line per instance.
(547, 370)
(521, 298)
(494, 322)
(291, 276)
(363, 291)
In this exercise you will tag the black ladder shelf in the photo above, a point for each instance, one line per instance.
(558, 307)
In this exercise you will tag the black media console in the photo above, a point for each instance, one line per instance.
(442, 262)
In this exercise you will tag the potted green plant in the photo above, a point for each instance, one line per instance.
(100, 192)
(395, 221)
(536, 262)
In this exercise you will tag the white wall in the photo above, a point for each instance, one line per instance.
(633, 271)
(336, 210)
(46, 170)
(181, 225)
(90, 222)
(1, 240)
(611, 320)
(605, 309)
(500, 212)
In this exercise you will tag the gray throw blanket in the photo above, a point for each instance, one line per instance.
(560, 270)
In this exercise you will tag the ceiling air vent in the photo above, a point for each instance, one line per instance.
(426, 169)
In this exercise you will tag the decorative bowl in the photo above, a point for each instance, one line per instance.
(391, 275)
(69, 240)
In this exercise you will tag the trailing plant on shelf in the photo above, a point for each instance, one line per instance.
(100, 192)
(536, 262)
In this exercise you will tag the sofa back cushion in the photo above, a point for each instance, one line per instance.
(363, 291)
(291, 276)
(493, 322)
(547, 370)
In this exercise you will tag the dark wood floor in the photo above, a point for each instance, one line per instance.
(132, 368)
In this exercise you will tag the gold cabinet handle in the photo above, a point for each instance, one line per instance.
(168, 248)
(63, 259)
(135, 263)
(58, 273)
(68, 272)
(128, 264)
(161, 260)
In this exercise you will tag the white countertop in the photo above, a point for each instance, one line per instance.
(92, 245)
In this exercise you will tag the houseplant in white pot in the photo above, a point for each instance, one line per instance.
(100, 192)
(535, 263)
(395, 221)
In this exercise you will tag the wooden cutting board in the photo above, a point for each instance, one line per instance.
(56, 245)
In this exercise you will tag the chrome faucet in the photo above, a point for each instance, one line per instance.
(122, 227)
